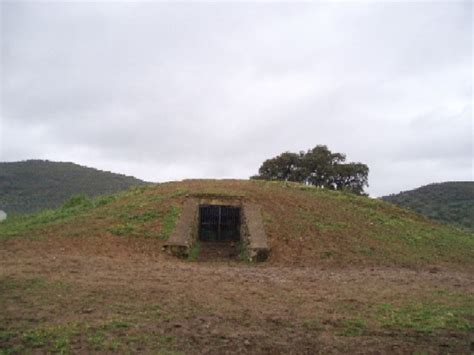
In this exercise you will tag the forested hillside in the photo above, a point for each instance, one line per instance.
(32, 185)
(450, 202)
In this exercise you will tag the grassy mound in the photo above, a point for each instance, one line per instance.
(304, 225)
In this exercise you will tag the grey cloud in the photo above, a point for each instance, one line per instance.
(168, 91)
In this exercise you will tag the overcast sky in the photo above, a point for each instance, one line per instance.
(167, 91)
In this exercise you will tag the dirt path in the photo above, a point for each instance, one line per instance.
(57, 299)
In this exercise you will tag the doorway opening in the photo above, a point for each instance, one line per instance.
(219, 223)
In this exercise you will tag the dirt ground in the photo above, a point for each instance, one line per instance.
(100, 295)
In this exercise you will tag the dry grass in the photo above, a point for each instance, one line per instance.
(345, 274)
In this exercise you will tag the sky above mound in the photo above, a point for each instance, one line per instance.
(166, 91)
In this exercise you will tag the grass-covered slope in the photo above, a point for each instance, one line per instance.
(32, 185)
(304, 225)
(449, 202)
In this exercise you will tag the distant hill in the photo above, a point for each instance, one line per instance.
(450, 202)
(32, 185)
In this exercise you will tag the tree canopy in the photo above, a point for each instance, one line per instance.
(319, 167)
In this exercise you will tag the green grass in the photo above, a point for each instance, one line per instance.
(194, 251)
(57, 339)
(427, 316)
(336, 226)
(142, 223)
(97, 339)
(411, 240)
(116, 324)
(75, 206)
(6, 335)
(352, 327)
(434, 312)
(169, 222)
(134, 212)
(114, 335)
(123, 229)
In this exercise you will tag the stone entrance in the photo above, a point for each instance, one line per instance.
(211, 220)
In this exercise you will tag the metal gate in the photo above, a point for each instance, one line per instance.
(219, 223)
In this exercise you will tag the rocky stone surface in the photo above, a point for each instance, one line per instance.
(185, 233)
(253, 233)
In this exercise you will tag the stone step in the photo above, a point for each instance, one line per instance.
(218, 251)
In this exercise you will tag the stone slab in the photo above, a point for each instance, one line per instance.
(185, 232)
(255, 236)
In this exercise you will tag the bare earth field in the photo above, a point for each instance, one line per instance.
(109, 294)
